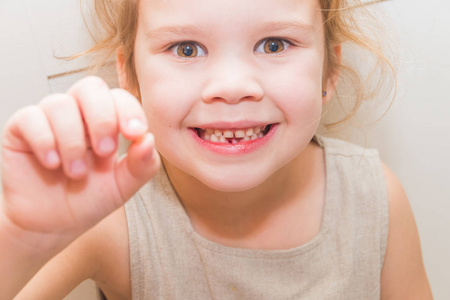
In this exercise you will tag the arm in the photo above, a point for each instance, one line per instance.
(62, 273)
(101, 254)
(60, 178)
(403, 275)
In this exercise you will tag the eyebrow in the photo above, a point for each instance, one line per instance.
(194, 29)
(287, 25)
(173, 29)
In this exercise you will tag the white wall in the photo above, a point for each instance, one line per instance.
(414, 137)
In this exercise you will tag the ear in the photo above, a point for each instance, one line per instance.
(331, 77)
(120, 67)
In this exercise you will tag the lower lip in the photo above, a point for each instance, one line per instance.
(238, 148)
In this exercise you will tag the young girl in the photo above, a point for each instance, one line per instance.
(248, 202)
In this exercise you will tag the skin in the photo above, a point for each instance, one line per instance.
(231, 82)
(257, 195)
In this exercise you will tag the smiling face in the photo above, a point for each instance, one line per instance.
(232, 89)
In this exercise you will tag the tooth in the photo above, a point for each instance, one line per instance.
(218, 132)
(239, 134)
(222, 139)
(214, 138)
(260, 135)
(257, 130)
(246, 138)
(207, 136)
(254, 136)
(228, 134)
(249, 132)
(210, 131)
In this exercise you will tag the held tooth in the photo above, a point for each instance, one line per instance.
(217, 132)
(249, 132)
(239, 134)
(228, 134)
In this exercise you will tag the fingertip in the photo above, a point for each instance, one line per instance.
(134, 128)
(78, 169)
(139, 165)
(143, 148)
(106, 146)
(149, 139)
(52, 159)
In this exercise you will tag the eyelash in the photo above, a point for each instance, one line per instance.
(286, 44)
(173, 47)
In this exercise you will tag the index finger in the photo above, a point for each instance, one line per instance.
(132, 121)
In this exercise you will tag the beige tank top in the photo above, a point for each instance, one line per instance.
(169, 260)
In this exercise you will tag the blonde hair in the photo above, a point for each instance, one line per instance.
(344, 22)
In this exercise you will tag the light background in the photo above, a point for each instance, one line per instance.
(413, 138)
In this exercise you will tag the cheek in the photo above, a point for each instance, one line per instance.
(167, 97)
(297, 92)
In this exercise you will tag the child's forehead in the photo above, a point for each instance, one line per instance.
(231, 12)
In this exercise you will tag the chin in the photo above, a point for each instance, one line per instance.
(231, 187)
(232, 182)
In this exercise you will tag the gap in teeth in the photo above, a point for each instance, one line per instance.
(232, 136)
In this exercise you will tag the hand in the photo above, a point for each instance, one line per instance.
(61, 174)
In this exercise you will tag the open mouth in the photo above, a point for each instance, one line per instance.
(233, 136)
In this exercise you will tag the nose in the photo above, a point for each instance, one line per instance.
(232, 82)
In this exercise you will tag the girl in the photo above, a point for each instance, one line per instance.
(249, 203)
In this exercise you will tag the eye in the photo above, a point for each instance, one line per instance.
(272, 46)
(188, 50)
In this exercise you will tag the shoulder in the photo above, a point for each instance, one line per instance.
(337, 147)
(403, 274)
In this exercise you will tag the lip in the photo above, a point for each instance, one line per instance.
(234, 149)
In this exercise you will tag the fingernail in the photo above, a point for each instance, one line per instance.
(107, 145)
(148, 155)
(149, 138)
(136, 126)
(52, 158)
(78, 167)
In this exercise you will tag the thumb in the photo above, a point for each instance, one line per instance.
(138, 166)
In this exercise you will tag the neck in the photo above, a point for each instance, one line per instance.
(227, 216)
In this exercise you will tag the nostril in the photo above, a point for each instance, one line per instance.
(232, 90)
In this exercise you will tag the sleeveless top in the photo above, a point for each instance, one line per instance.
(169, 260)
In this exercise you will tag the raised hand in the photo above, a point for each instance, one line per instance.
(61, 174)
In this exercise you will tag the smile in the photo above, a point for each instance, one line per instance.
(232, 136)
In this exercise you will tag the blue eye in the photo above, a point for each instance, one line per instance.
(188, 50)
(272, 46)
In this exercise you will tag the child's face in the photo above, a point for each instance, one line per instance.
(243, 65)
